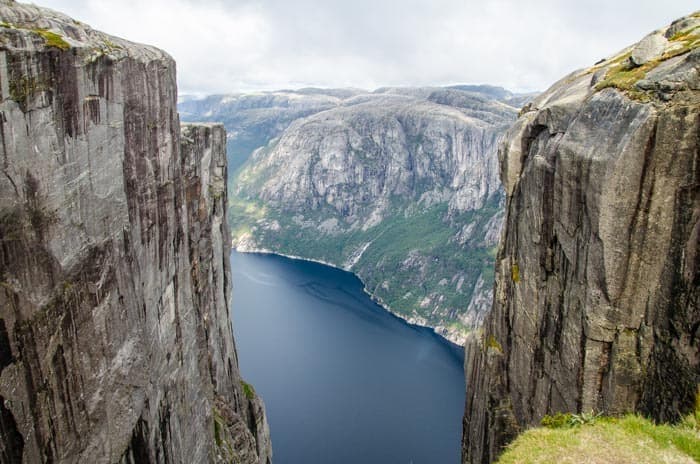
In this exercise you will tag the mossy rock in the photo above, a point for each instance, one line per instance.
(51, 39)
(248, 390)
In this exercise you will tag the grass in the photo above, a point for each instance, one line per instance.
(564, 420)
(491, 342)
(622, 75)
(222, 435)
(219, 424)
(248, 390)
(574, 438)
(515, 273)
(51, 39)
(23, 87)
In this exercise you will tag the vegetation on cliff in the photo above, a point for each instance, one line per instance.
(408, 260)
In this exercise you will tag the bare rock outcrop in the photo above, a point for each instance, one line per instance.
(115, 336)
(598, 273)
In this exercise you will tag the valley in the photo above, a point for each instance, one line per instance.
(399, 186)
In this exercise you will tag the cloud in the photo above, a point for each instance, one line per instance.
(240, 45)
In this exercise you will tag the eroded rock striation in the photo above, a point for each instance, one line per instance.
(115, 337)
(597, 277)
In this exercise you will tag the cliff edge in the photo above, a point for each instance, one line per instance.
(115, 336)
(598, 274)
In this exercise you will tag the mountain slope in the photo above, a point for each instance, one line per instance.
(400, 186)
(252, 120)
(598, 274)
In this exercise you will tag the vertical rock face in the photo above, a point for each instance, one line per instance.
(597, 277)
(115, 337)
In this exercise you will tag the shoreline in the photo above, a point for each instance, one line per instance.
(377, 300)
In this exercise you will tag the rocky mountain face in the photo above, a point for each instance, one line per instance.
(115, 337)
(253, 119)
(598, 272)
(399, 186)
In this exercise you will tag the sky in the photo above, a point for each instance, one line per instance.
(230, 46)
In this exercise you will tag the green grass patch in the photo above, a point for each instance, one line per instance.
(682, 438)
(51, 39)
(564, 420)
(515, 273)
(622, 75)
(248, 390)
(491, 342)
(574, 438)
(218, 426)
(222, 437)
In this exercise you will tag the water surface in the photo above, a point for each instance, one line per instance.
(343, 380)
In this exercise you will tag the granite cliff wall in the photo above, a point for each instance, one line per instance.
(598, 274)
(115, 336)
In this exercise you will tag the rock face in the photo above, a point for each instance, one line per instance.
(252, 120)
(115, 337)
(598, 272)
(399, 186)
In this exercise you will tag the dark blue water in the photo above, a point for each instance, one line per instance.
(343, 380)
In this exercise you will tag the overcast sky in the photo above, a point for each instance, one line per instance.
(224, 46)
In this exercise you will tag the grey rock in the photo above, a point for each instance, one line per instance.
(682, 25)
(406, 143)
(115, 337)
(650, 48)
(597, 277)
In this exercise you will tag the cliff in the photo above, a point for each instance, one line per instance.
(115, 337)
(399, 186)
(597, 277)
(253, 119)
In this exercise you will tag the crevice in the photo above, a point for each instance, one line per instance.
(13, 443)
(6, 357)
(137, 451)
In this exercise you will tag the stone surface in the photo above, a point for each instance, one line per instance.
(598, 273)
(115, 337)
(649, 48)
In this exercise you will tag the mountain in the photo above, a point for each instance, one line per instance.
(115, 337)
(399, 186)
(598, 273)
(253, 119)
